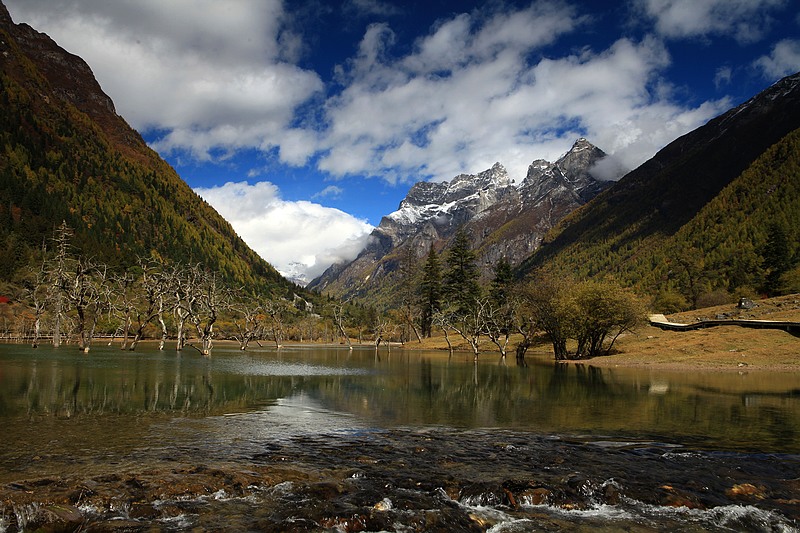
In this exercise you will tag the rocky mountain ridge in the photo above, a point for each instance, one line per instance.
(504, 219)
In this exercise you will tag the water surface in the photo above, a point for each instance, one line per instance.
(481, 446)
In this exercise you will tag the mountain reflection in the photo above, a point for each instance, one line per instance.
(406, 389)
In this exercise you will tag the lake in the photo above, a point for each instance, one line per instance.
(322, 438)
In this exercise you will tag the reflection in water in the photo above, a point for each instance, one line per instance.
(406, 389)
(404, 415)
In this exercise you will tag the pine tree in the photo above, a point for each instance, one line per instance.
(461, 286)
(503, 278)
(430, 291)
(777, 256)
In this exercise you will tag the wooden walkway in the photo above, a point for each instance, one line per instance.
(660, 321)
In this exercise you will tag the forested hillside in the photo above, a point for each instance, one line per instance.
(712, 216)
(743, 242)
(67, 156)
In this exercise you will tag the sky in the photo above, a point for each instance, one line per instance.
(303, 122)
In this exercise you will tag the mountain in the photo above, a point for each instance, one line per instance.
(693, 219)
(67, 156)
(504, 219)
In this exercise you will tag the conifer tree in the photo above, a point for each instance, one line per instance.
(777, 256)
(461, 287)
(430, 291)
(503, 278)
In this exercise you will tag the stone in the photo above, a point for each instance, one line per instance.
(746, 303)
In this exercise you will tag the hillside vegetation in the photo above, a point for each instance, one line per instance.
(713, 216)
(720, 252)
(67, 156)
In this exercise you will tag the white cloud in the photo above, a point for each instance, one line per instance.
(468, 96)
(744, 20)
(295, 237)
(214, 75)
(477, 88)
(723, 76)
(331, 191)
(782, 61)
(474, 90)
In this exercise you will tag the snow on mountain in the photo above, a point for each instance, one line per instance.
(483, 204)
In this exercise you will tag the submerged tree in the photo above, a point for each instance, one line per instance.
(58, 277)
(209, 298)
(339, 318)
(278, 312)
(37, 292)
(151, 293)
(89, 295)
(249, 321)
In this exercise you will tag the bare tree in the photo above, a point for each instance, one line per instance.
(150, 303)
(339, 318)
(278, 312)
(58, 277)
(89, 294)
(207, 298)
(183, 283)
(37, 291)
(124, 304)
(441, 320)
(409, 271)
(496, 319)
(468, 322)
(380, 328)
(249, 321)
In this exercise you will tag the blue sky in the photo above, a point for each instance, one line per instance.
(304, 122)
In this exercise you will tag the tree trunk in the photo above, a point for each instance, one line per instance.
(180, 325)
(37, 324)
(521, 350)
(126, 331)
(57, 321)
(162, 324)
(449, 344)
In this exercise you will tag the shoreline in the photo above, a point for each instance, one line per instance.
(728, 348)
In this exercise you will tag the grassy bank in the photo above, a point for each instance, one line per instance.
(723, 347)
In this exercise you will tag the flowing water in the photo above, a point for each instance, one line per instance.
(324, 439)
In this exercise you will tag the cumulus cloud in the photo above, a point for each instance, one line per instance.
(782, 61)
(295, 237)
(212, 75)
(475, 88)
(468, 96)
(745, 20)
